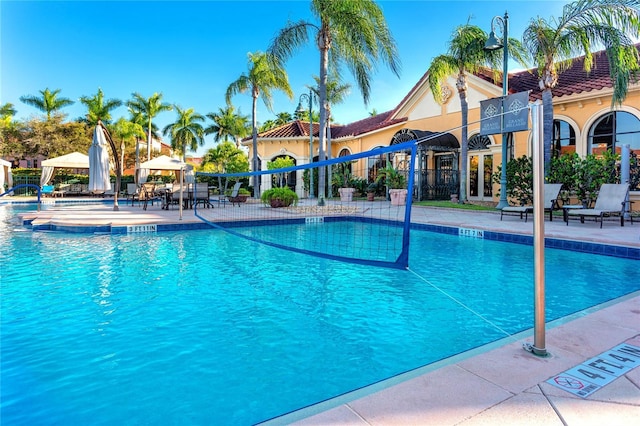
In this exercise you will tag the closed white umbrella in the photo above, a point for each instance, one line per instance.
(99, 179)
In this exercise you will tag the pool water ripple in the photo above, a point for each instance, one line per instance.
(203, 327)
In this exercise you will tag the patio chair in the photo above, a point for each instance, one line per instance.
(550, 200)
(201, 195)
(148, 194)
(611, 201)
(133, 193)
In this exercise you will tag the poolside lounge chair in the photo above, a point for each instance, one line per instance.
(234, 197)
(611, 201)
(47, 191)
(550, 200)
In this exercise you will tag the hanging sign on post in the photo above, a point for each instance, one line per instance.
(515, 109)
(490, 116)
(516, 112)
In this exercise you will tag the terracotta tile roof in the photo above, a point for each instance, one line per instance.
(293, 129)
(365, 125)
(570, 82)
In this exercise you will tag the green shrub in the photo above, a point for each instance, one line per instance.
(279, 197)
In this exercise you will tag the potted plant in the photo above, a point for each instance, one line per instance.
(343, 178)
(372, 188)
(279, 197)
(396, 182)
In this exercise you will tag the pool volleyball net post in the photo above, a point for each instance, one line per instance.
(362, 217)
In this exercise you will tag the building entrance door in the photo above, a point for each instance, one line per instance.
(480, 168)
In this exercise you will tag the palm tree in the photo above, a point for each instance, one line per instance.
(99, 108)
(225, 158)
(48, 102)
(265, 74)
(336, 94)
(7, 112)
(125, 131)
(466, 54)
(267, 125)
(186, 132)
(150, 107)
(353, 32)
(283, 118)
(227, 124)
(583, 25)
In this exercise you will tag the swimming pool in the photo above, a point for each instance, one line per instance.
(204, 327)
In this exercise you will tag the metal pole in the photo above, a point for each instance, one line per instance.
(505, 89)
(625, 156)
(538, 347)
(311, 190)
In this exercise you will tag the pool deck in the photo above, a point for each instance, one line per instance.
(497, 383)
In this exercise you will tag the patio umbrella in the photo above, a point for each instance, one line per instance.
(99, 179)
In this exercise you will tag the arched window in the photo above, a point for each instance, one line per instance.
(344, 152)
(564, 138)
(613, 130)
(374, 164)
(479, 142)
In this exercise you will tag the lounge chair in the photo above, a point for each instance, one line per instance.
(611, 201)
(550, 200)
(47, 190)
(234, 198)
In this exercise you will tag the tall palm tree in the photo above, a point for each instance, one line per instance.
(99, 108)
(150, 107)
(186, 132)
(353, 32)
(265, 74)
(228, 125)
(48, 102)
(336, 94)
(466, 54)
(584, 24)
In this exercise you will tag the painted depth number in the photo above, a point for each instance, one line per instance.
(473, 233)
(312, 220)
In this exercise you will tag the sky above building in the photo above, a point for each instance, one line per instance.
(190, 51)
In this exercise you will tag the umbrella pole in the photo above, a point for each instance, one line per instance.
(116, 159)
(181, 190)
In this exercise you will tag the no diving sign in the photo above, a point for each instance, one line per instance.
(591, 375)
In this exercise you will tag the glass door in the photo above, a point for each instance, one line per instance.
(480, 168)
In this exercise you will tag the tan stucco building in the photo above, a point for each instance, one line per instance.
(585, 122)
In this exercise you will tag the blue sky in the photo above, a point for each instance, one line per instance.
(190, 51)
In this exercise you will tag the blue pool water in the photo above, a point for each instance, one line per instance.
(203, 327)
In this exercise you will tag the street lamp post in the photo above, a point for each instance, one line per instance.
(493, 44)
(308, 98)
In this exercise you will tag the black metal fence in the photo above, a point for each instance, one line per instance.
(436, 184)
(22, 180)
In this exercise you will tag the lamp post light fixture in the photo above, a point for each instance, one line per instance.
(494, 44)
(300, 110)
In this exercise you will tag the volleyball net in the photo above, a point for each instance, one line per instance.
(351, 208)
